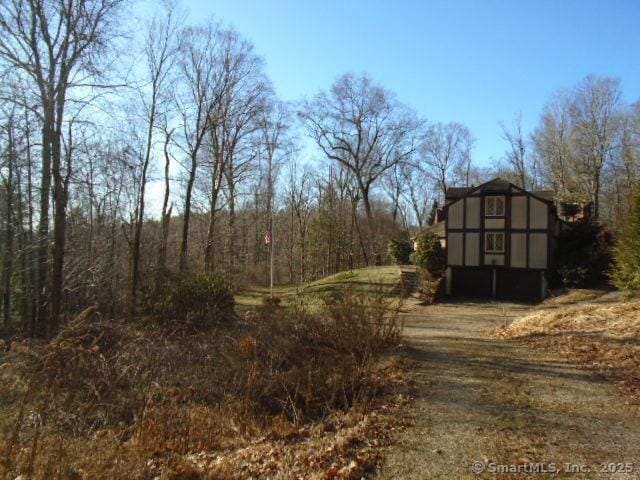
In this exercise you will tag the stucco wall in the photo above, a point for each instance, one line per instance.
(494, 259)
(473, 212)
(519, 212)
(454, 215)
(454, 249)
(538, 215)
(519, 250)
(472, 249)
(494, 223)
(522, 210)
(537, 250)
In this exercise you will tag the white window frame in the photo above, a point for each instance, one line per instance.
(490, 206)
(495, 236)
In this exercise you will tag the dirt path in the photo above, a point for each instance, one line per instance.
(483, 399)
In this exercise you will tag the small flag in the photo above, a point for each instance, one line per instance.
(267, 237)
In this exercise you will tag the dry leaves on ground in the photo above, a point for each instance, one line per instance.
(604, 337)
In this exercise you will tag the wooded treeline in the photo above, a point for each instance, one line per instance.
(585, 148)
(129, 153)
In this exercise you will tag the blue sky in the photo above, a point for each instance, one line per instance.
(476, 62)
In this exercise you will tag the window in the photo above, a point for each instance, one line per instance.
(494, 206)
(494, 242)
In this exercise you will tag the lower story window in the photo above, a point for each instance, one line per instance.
(494, 242)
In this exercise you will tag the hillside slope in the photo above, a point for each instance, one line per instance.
(371, 279)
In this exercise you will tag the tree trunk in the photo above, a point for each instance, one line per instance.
(43, 225)
(60, 197)
(166, 210)
(354, 213)
(137, 236)
(184, 246)
(231, 253)
(209, 252)
(135, 251)
(7, 269)
(303, 252)
(596, 196)
(31, 279)
(23, 258)
(367, 204)
(216, 181)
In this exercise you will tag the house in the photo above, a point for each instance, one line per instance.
(499, 241)
(438, 229)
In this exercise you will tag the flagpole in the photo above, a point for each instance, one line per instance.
(271, 226)
(272, 246)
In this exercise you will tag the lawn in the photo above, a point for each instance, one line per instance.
(370, 279)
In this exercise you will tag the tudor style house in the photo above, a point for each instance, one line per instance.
(499, 241)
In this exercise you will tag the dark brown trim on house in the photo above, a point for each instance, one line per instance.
(506, 282)
(528, 232)
(515, 230)
(481, 231)
(504, 195)
(445, 209)
(507, 228)
(504, 246)
(464, 234)
(474, 192)
(503, 267)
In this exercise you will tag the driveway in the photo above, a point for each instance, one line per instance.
(481, 399)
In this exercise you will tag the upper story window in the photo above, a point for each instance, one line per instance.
(494, 206)
(494, 242)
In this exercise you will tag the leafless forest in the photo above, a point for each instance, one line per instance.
(131, 148)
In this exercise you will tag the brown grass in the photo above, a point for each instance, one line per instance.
(283, 394)
(604, 337)
(573, 295)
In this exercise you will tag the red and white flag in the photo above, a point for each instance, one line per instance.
(267, 237)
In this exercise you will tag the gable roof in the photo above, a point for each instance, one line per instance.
(437, 229)
(547, 195)
(497, 185)
(457, 192)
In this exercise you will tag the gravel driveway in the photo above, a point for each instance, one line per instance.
(481, 399)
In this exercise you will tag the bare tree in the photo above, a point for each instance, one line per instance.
(445, 148)
(298, 194)
(418, 191)
(160, 53)
(235, 130)
(394, 187)
(623, 170)
(165, 215)
(361, 126)
(56, 45)
(515, 154)
(552, 144)
(273, 122)
(595, 118)
(9, 192)
(202, 76)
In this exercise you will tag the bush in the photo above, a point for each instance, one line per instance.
(305, 365)
(430, 290)
(400, 250)
(582, 257)
(626, 273)
(429, 254)
(192, 300)
(104, 396)
(99, 385)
